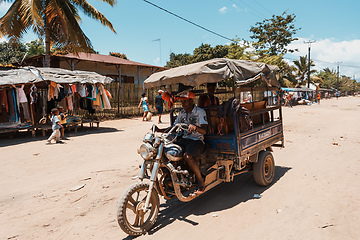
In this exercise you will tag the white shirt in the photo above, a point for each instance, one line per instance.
(196, 117)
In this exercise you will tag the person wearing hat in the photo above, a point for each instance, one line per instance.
(159, 103)
(192, 141)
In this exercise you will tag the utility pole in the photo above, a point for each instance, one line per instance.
(309, 44)
(354, 85)
(337, 82)
(159, 40)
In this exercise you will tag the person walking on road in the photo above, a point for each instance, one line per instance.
(159, 103)
(143, 103)
(56, 126)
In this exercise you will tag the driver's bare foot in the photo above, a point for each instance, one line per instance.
(200, 190)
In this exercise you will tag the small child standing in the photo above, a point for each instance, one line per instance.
(56, 126)
(62, 117)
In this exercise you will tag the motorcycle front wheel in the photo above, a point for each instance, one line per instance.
(131, 216)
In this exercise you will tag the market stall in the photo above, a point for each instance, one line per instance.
(28, 94)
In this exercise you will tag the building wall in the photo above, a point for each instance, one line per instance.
(127, 72)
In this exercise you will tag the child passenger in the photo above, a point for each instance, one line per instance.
(62, 118)
(56, 126)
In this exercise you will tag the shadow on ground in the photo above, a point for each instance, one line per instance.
(15, 138)
(224, 196)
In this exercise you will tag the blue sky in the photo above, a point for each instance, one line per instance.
(333, 24)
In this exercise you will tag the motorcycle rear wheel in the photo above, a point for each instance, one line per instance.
(130, 215)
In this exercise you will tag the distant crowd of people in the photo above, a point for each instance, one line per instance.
(291, 98)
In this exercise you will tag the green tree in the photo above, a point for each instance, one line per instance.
(119, 55)
(54, 20)
(206, 52)
(275, 34)
(177, 60)
(64, 50)
(202, 53)
(346, 84)
(302, 70)
(235, 50)
(329, 78)
(35, 47)
(11, 52)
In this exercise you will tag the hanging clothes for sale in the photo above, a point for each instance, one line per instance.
(70, 105)
(73, 88)
(94, 93)
(80, 88)
(24, 103)
(104, 97)
(33, 94)
(13, 105)
(3, 101)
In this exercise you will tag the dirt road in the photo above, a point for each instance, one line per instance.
(315, 194)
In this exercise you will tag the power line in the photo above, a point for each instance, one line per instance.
(316, 60)
(208, 30)
(249, 11)
(263, 7)
(252, 8)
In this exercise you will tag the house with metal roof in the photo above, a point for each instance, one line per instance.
(121, 70)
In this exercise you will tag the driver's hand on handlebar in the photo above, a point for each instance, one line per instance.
(192, 128)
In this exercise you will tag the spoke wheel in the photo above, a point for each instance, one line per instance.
(264, 169)
(131, 216)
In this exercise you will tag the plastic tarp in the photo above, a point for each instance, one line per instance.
(302, 89)
(214, 70)
(26, 75)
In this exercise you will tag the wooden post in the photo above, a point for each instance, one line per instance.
(118, 90)
(32, 119)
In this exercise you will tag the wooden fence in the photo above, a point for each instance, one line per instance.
(124, 102)
(126, 97)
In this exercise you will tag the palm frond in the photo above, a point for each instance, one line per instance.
(92, 12)
(65, 28)
(17, 20)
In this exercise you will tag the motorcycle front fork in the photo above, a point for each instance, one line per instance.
(153, 178)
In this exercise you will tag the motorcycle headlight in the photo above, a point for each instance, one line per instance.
(146, 151)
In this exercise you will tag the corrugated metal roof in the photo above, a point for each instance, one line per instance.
(105, 59)
(27, 75)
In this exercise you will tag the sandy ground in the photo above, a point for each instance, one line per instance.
(315, 194)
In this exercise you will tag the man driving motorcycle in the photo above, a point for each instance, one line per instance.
(192, 142)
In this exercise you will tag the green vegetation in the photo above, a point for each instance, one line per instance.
(11, 52)
(55, 21)
(272, 36)
(119, 55)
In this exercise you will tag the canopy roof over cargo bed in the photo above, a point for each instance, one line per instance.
(215, 70)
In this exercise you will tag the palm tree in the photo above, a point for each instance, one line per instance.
(55, 20)
(302, 69)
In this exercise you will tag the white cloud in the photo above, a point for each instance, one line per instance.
(2, 40)
(157, 61)
(234, 6)
(223, 10)
(328, 52)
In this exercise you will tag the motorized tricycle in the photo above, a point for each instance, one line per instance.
(230, 147)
